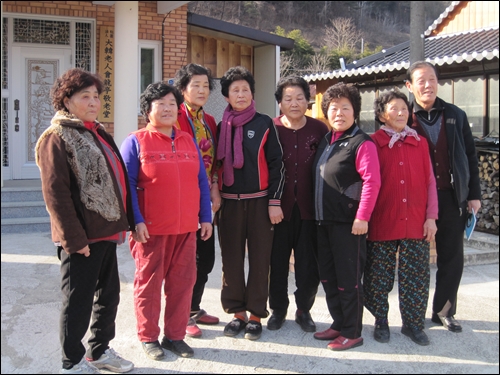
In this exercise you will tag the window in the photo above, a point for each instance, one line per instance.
(149, 63)
(445, 90)
(366, 117)
(493, 104)
(468, 95)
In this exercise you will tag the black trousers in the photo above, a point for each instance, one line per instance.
(91, 288)
(244, 225)
(341, 258)
(205, 259)
(450, 251)
(299, 235)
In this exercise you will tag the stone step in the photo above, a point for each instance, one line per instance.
(14, 210)
(26, 225)
(473, 256)
(482, 241)
(21, 194)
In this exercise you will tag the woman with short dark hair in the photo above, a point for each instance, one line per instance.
(347, 182)
(251, 187)
(86, 191)
(195, 83)
(170, 199)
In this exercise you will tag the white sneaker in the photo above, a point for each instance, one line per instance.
(83, 367)
(112, 361)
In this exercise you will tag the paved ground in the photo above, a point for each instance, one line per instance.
(31, 302)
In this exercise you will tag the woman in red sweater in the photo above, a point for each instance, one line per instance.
(404, 218)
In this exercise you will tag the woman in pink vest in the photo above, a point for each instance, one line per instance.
(404, 219)
(170, 197)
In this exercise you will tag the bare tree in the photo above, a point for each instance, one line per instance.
(342, 34)
(288, 64)
(320, 62)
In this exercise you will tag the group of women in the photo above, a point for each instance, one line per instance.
(270, 185)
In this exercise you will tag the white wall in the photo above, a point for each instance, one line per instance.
(267, 75)
(126, 68)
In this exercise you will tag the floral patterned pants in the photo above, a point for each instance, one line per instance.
(413, 279)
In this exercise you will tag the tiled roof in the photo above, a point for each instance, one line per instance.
(441, 18)
(439, 50)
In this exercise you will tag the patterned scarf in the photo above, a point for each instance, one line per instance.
(395, 136)
(225, 150)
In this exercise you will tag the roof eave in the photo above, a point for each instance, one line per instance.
(204, 22)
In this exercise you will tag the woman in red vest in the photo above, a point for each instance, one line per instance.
(170, 197)
(404, 218)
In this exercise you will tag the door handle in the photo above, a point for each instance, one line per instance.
(16, 108)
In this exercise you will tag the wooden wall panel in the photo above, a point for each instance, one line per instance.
(210, 55)
(197, 50)
(222, 57)
(188, 49)
(473, 15)
(247, 58)
(234, 54)
(218, 54)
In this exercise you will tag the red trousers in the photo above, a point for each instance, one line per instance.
(170, 259)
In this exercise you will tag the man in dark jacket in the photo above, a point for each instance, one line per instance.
(454, 160)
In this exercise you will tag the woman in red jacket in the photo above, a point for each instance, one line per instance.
(404, 218)
(195, 83)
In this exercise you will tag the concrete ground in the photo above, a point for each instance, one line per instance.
(31, 303)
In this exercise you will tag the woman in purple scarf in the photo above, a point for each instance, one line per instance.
(252, 176)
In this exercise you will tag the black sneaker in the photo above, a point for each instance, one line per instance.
(253, 330)
(382, 333)
(234, 327)
(153, 350)
(178, 347)
(416, 335)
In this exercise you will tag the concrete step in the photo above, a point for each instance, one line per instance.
(482, 241)
(473, 256)
(26, 225)
(22, 194)
(14, 210)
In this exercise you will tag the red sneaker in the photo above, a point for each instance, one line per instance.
(328, 334)
(192, 329)
(343, 343)
(201, 317)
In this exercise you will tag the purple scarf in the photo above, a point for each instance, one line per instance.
(407, 131)
(230, 119)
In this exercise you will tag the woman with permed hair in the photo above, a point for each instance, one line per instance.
(251, 186)
(170, 199)
(87, 194)
(347, 182)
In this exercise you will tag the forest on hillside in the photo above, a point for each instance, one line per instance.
(323, 31)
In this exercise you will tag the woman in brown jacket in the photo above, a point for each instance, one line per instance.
(86, 191)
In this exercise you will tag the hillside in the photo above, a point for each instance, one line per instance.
(379, 23)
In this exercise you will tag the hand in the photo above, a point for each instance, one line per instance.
(474, 204)
(430, 229)
(206, 231)
(215, 198)
(141, 233)
(85, 251)
(275, 214)
(359, 227)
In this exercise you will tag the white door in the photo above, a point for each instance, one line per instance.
(34, 70)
